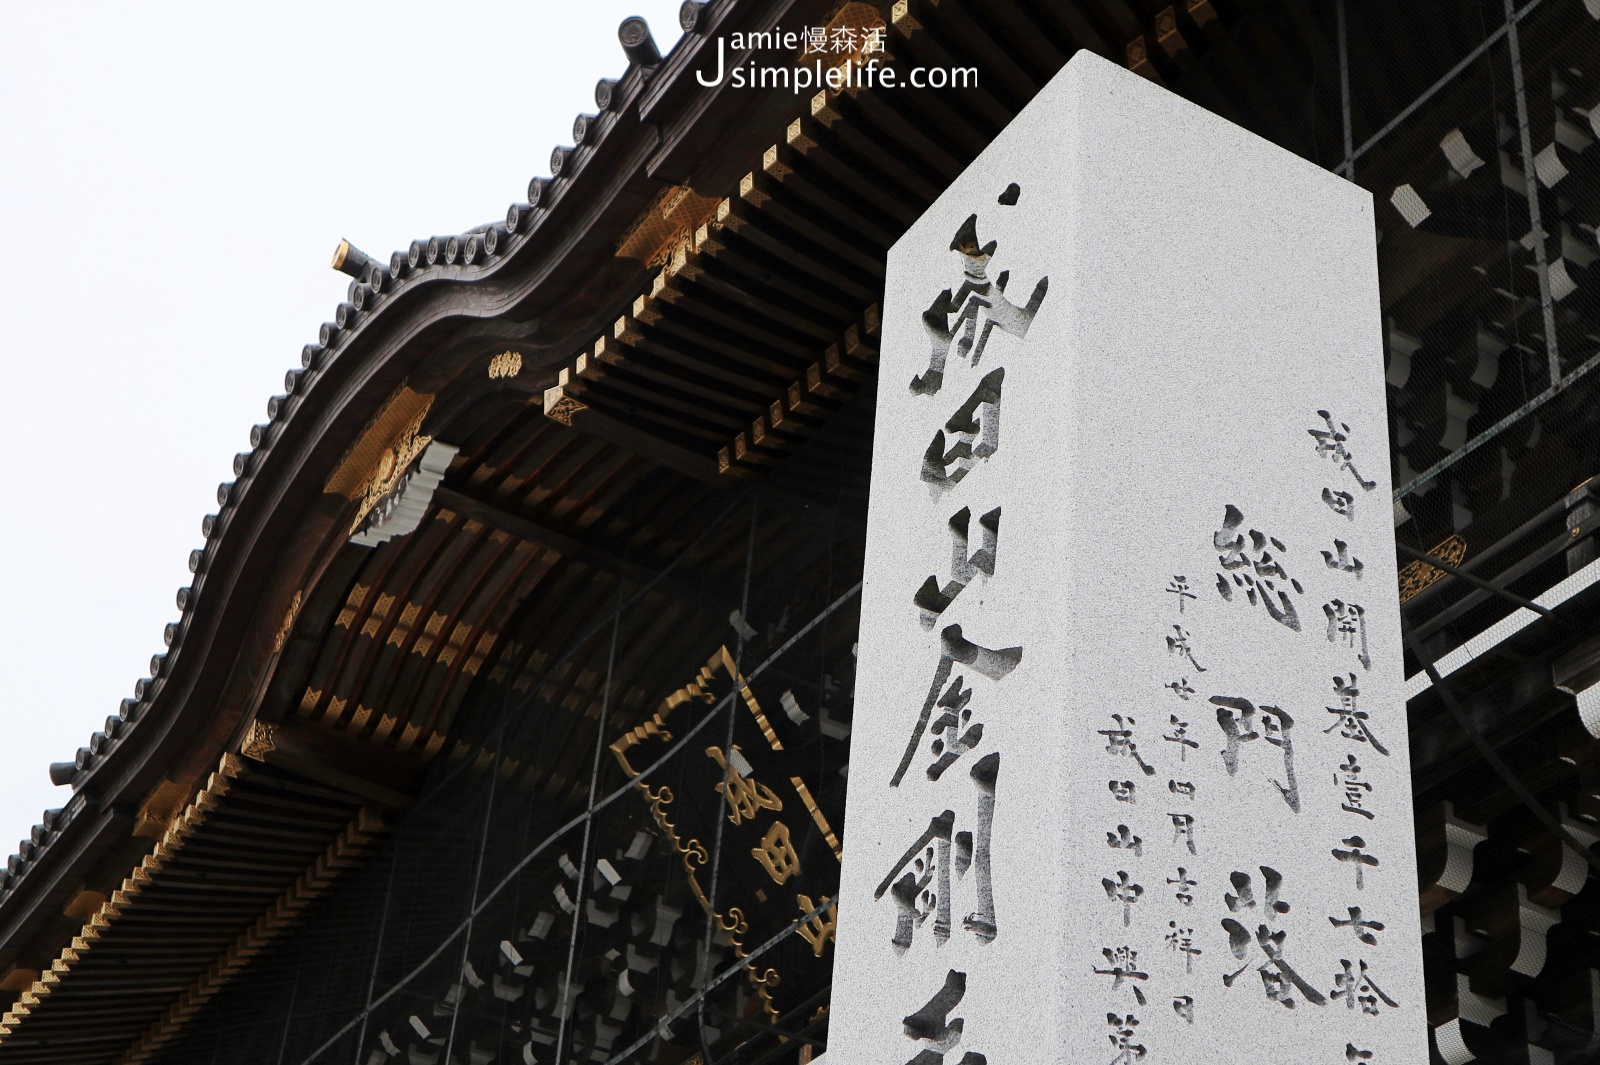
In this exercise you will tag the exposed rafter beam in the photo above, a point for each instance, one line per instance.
(384, 777)
(566, 544)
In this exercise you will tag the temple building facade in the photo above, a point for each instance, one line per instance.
(507, 717)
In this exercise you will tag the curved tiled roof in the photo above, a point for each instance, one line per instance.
(377, 293)
(516, 294)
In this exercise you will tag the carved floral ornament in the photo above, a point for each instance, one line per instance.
(392, 440)
(666, 225)
(287, 624)
(406, 492)
(259, 741)
(1418, 575)
(504, 365)
(560, 406)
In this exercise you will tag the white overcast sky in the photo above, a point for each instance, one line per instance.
(173, 181)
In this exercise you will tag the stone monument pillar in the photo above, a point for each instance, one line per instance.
(1130, 778)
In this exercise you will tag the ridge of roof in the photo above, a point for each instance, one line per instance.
(479, 253)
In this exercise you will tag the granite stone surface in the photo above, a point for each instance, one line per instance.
(1129, 777)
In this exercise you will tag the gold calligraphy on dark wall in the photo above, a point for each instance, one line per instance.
(779, 852)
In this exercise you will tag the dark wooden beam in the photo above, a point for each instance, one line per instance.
(335, 759)
(561, 406)
(590, 554)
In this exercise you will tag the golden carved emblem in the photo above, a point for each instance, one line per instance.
(505, 364)
(372, 466)
(163, 803)
(258, 742)
(666, 225)
(1415, 576)
(562, 408)
(287, 623)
